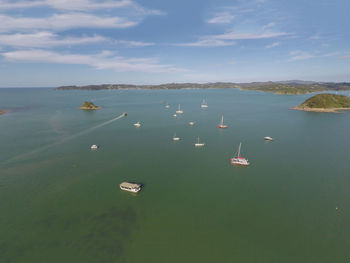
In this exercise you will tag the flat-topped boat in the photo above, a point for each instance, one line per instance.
(130, 187)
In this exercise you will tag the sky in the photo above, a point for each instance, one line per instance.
(49, 43)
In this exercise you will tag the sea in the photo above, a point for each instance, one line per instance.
(60, 201)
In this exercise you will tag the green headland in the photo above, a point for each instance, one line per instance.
(88, 105)
(325, 103)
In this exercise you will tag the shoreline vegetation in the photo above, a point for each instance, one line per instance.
(88, 105)
(295, 87)
(331, 103)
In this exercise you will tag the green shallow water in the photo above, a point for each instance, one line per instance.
(60, 201)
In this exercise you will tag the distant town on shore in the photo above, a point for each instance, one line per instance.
(293, 87)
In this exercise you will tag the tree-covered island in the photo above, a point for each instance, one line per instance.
(325, 103)
(88, 105)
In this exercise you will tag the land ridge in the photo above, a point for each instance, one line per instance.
(294, 87)
(325, 103)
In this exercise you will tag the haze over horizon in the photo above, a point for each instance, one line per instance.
(59, 42)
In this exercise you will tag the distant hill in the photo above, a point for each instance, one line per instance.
(292, 87)
(325, 103)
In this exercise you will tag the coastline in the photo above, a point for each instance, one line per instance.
(87, 108)
(328, 110)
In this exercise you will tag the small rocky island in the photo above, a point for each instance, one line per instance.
(325, 103)
(88, 105)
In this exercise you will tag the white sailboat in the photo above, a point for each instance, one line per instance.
(167, 106)
(199, 144)
(222, 125)
(238, 160)
(137, 124)
(179, 111)
(176, 138)
(267, 138)
(191, 123)
(204, 104)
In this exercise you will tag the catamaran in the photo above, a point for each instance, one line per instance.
(137, 124)
(238, 160)
(204, 104)
(179, 111)
(199, 144)
(222, 125)
(176, 138)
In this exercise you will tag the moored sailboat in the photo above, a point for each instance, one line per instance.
(204, 104)
(176, 138)
(222, 125)
(238, 160)
(179, 111)
(199, 144)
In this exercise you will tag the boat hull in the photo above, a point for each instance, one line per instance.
(244, 162)
(222, 126)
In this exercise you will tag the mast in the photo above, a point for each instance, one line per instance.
(198, 139)
(222, 120)
(178, 107)
(239, 149)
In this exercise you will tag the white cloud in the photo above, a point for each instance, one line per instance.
(128, 43)
(275, 44)
(245, 36)
(315, 37)
(104, 60)
(221, 18)
(76, 5)
(227, 39)
(45, 39)
(208, 43)
(62, 22)
(269, 25)
(300, 55)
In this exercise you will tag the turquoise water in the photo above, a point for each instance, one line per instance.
(61, 202)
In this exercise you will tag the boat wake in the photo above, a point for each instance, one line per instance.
(63, 140)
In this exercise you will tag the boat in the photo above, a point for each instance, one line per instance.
(125, 114)
(222, 125)
(238, 160)
(174, 115)
(167, 106)
(137, 124)
(175, 138)
(199, 144)
(94, 147)
(179, 111)
(191, 123)
(204, 104)
(130, 187)
(267, 138)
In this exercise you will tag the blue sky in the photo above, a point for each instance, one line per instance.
(64, 42)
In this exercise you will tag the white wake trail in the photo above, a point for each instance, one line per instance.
(21, 156)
